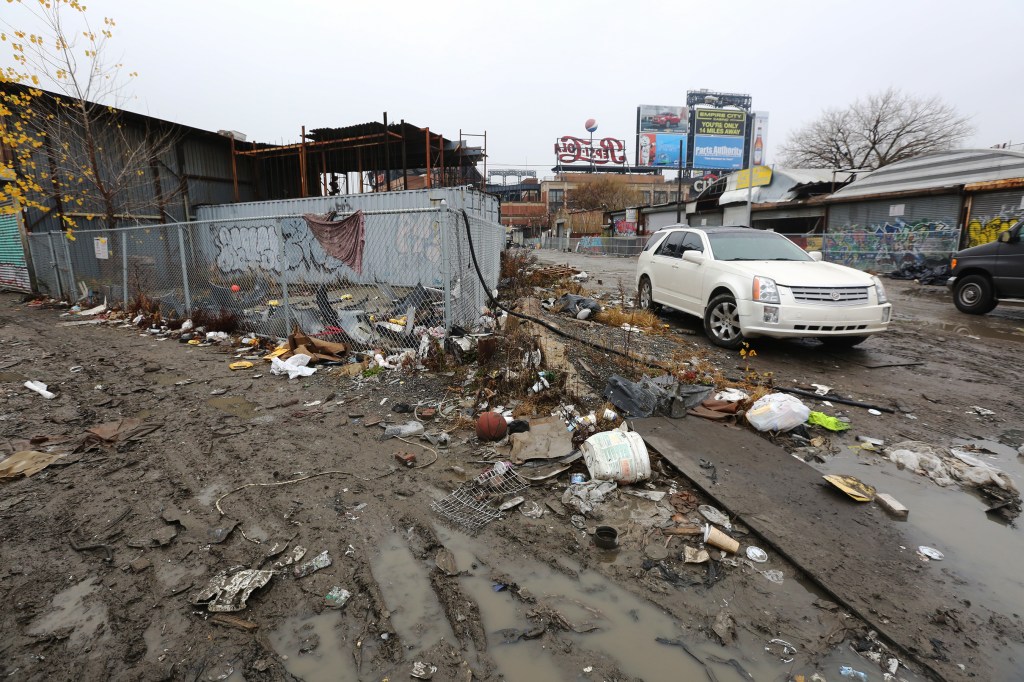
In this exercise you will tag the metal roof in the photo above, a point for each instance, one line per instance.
(786, 185)
(951, 169)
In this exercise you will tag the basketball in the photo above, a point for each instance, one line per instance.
(235, 288)
(491, 426)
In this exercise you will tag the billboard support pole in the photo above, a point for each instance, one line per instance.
(679, 187)
(750, 178)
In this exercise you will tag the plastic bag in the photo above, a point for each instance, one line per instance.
(777, 412)
(295, 366)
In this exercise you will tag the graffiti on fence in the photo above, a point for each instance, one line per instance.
(590, 245)
(890, 245)
(400, 249)
(982, 229)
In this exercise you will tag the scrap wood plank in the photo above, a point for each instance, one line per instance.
(844, 546)
(234, 622)
(556, 271)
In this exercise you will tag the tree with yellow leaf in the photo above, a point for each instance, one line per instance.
(75, 154)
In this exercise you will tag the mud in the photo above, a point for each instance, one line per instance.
(586, 613)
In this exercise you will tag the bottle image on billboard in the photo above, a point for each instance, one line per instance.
(758, 148)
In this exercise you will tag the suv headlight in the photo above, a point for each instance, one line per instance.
(879, 290)
(765, 290)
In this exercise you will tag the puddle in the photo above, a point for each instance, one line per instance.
(416, 614)
(627, 625)
(983, 553)
(234, 405)
(12, 377)
(314, 649)
(72, 609)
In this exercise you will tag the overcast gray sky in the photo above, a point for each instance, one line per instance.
(530, 71)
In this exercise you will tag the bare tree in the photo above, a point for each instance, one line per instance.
(76, 152)
(876, 131)
(603, 193)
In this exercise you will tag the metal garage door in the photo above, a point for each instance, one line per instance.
(13, 266)
(880, 236)
(991, 213)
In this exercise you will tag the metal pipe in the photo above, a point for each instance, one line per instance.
(405, 160)
(387, 155)
(71, 267)
(124, 269)
(303, 165)
(679, 187)
(234, 170)
(184, 268)
(56, 265)
(429, 182)
(282, 264)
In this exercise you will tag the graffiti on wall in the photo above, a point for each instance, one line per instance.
(402, 249)
(986, 229)
(890, 245)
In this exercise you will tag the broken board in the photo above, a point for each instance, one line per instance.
(850, 550)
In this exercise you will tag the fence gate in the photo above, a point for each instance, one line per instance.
(13, 266)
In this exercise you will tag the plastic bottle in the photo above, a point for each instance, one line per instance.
(847, 671)
(404, 430)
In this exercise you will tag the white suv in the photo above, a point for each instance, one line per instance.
(746, 283)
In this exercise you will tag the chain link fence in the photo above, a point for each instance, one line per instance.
(623, 247)
(267, 275)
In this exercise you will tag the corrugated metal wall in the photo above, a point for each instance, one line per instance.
(476, 203)
(13, 266)
(991, 213)
(883, 235)
(202, 160)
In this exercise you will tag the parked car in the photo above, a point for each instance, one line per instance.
(666, 120)
(984, 275)
(746, 283)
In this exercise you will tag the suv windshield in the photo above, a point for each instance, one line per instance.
(754, 246)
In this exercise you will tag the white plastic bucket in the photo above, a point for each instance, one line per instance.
(617, 456)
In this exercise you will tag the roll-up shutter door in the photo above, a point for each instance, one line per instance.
(881, 236)
(13, 267)
(991, 213)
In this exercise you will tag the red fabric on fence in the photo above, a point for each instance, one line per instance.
(343, 239)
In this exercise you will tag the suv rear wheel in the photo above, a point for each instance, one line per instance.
(646, 294)
(973, 295)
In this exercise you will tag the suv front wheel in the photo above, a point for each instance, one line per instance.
(722, 322)
(973, 295)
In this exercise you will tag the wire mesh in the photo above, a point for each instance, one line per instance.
(474, 504)
(268, 275)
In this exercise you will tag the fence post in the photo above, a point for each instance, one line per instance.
(282, 263)
(184, 268)
(55, 264)
(124, 267)
(71, 268)
(446, 272)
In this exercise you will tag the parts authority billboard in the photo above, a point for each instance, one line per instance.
(719, 138)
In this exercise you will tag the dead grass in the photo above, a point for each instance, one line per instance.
(616, 317)
(223, 320)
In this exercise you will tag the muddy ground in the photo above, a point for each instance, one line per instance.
(103, 551)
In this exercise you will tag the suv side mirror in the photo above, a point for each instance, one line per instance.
(694, 256)
(1005, 237)
(815, 255)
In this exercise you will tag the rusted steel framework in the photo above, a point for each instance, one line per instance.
(385, 156)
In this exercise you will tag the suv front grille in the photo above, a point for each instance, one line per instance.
(831, 295)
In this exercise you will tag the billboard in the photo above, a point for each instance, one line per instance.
(661, 150)
(759, 146)
(571, 149)
(719, 138)
(657, 118)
